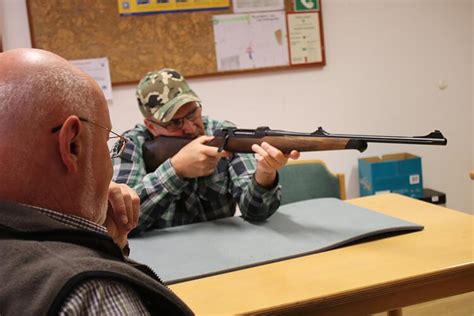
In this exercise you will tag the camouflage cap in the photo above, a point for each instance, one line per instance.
(161, 93)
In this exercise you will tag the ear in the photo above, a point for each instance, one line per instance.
(151, 127)
(69, 143)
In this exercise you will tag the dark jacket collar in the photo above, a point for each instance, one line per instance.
(26, 222)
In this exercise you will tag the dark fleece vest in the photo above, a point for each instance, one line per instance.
(43, 260)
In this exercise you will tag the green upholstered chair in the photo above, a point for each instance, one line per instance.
(309, 179)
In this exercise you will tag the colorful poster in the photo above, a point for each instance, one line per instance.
(305, 38)
(136, 7)
(246, 41)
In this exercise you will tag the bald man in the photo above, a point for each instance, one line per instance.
(62, 222)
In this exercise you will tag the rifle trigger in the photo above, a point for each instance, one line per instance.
(224, 143)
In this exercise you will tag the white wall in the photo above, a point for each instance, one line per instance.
(16, 32)
(1, 25)
(385, 62)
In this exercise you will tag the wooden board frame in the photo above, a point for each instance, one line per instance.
(134, 45)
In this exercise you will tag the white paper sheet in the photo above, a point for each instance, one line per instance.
(98, 69)
(246, 41)
(241, 6)
(305, 39)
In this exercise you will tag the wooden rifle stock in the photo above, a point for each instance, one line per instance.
(156, 151)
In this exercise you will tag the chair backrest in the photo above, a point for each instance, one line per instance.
(309, 179)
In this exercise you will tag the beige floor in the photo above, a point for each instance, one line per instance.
(459, 305)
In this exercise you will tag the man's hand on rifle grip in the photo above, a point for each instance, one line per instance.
(196, 159)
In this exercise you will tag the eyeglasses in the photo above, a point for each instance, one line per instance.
(119, 146)
(178, 123)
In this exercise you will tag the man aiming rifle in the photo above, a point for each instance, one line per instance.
(198, 183)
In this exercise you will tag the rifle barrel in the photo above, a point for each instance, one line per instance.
(433, 138)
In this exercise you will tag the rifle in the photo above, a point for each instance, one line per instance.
(237, 140)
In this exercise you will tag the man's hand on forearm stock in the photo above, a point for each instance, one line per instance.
(269, 160)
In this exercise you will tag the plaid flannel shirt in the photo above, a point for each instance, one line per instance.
(97, 296)
(167, 200)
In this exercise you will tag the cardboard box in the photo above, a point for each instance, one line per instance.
(396, 173)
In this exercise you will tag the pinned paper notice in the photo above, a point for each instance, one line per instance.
(98, 69)
(305, 38)
(242, 6)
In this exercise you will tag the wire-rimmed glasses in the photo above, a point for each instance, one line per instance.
(116, 150)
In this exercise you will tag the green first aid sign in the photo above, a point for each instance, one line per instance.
(306, 5)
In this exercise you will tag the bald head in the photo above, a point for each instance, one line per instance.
(36, 84)
(38, 91)
(17, 62)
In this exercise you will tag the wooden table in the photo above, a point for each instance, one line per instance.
(364, 278)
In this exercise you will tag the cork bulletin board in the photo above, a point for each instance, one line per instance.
(136, 44)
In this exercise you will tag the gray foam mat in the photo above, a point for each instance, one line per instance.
(197, 250)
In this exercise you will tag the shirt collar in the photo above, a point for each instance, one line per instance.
(72, 220)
